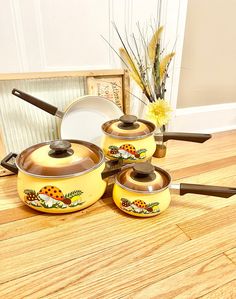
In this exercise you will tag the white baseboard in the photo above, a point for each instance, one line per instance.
(204, 119)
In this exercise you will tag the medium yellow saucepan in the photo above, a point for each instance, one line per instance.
(60, 176)
(133, 140)
(144, 190)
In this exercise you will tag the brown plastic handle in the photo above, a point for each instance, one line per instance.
(5, 163)
(207, 190)
(113, 167)
(36, 102)
(191, 137)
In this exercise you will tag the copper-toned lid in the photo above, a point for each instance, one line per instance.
(143, 178)
(60, 158)
(128, 127)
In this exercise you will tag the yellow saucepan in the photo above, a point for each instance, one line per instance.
(60, 176)
(133, 140)
(144, 190)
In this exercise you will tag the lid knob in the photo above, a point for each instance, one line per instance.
(143, 172)
(60, 149)
(128, 122)
(128, 119)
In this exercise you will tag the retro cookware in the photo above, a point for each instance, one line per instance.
(144, 190)
(133, 140)
(56, 177)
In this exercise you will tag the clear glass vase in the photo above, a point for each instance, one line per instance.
(161, 146)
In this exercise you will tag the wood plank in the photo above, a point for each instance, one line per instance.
(225, 176)
(209, 222)
(184, 154)
(181, 209)
(79, 243)
(114, 271)
(8, 194)
(227, 291)
(35, 221)
(59, 74)
(193, 282)
(19, 213)
(202, 168)
(231, 254)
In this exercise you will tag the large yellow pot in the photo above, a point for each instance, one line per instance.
(60, 176)
(128, 139)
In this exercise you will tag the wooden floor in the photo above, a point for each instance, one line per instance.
(189, 251)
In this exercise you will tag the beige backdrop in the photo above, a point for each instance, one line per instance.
(208, 70)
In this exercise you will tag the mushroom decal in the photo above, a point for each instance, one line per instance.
(52, 197)
(126, 151)
(52, 194)
(139, 206)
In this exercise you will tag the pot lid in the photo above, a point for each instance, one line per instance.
(128, 127)
(60, 158)
(143, 178)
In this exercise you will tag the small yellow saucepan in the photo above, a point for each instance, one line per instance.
(133, 140)
(144, 190)
(60, 176)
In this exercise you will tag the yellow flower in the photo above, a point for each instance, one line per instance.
(159, 112)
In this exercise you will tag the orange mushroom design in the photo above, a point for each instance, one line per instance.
(126, 151)
(139, 206)
(51, 194)
(52, 197)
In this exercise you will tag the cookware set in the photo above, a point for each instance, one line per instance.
(68, 175)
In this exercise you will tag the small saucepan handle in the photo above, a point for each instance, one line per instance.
(191, 137)
(36, 102)
(218, 191)
(112, 167)
(10, 166)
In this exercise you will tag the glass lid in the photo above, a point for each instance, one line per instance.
(60, 158)
(143, 178)
(128, 127)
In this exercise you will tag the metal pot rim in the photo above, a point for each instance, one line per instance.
(160, 170)
(100, 152)
(138, 137)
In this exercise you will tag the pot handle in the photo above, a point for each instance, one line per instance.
(38, 103)
(207, 190)
(191, 137)
(5, 163)
(112, 167)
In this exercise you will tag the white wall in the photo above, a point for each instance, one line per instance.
(207, 89)
(47, 35)
(50, 35)
(208, 70)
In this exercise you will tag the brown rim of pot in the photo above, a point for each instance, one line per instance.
(158, 169)
(38, 145)
(150, 124)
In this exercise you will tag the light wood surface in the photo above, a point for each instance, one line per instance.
(189, 251)
(59, 74)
